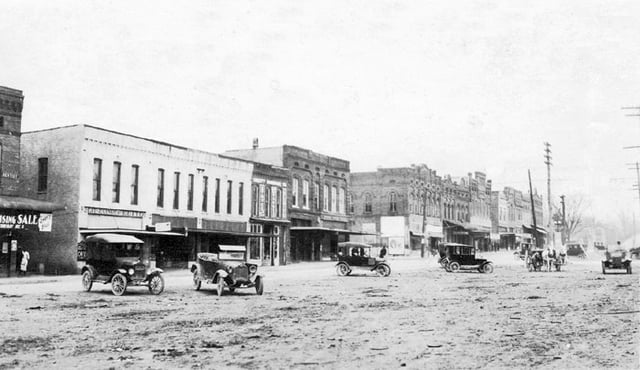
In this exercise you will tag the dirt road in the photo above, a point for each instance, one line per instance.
(419, 317)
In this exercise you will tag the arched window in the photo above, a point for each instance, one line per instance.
(368, 200)
(393, 202)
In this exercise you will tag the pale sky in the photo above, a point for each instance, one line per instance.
(475, 86)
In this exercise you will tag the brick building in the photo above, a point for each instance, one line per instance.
(180, 201)
(317, 203)
(401, 207)
(24, 223)
(512, 219)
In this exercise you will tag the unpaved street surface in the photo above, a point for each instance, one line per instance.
(419, 317)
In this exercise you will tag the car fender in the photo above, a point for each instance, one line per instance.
(222, 273)
(91, 269)
(342, 263)
(380, 264)
(153, 272)
(194, 268)
(122, 271)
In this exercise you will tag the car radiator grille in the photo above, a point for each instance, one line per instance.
(241, 272)
(139, 272)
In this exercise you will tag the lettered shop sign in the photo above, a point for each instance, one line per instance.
(26, 220)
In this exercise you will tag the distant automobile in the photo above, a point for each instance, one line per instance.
(456, 257)
(227, 269)
(576, 249)
(617, 259)
(118, 260)
(358, 255)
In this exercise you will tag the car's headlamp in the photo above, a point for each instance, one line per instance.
(130, 271)
(253, 269)
(230, 269)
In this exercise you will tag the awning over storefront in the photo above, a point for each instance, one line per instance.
(269, 220)
(8, 202)
(130, 231)
(228, 232)
(413, 233)
(540, 230)
(340, 231)
(113, 238)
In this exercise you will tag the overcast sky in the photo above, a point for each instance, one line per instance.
(476, 86)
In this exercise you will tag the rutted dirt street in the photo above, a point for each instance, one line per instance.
(308, 317)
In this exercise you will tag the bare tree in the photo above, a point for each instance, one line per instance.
(575, 207)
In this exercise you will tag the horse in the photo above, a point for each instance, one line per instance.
(549, 258)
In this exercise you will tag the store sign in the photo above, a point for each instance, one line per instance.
(25, 220)
(114, 212)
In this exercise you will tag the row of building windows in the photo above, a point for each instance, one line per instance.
(333, 197)
(267, 201)
(160, 190)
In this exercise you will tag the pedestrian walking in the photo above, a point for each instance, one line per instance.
(25, 262)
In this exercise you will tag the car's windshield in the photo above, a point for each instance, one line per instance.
(127, 250)
(239, 256)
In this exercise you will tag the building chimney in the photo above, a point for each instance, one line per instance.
(255, 143)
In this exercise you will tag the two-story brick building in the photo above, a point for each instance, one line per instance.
(317, 203)
(180, 201)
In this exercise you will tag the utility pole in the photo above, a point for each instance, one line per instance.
(636, 167)
(533, 213)
(547, 161)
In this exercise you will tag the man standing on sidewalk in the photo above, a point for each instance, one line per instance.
(24, 263)
(18, 261)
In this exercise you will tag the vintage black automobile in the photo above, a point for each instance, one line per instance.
(455, 256)
(359, 255)
(119, 260)
(576, 249)
(227, 268)
(617, 259)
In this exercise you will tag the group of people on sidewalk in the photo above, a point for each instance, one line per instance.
(22, 261)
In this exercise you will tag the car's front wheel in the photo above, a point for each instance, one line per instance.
(221, 285)
(197, 283)
(487, 268)
(87, 281)
(156, 284)
(259, 286)
(454, 266)
(342, 269)
(383, 270)
(118, 284)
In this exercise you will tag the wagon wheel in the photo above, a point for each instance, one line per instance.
(197, 283)
(118, 284)
(221, 285)
(342, 269)
(454, 266)
(87, 281)
(156, 284)
(487, 268)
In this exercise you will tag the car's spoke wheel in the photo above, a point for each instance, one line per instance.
(197, 283)
(221, 285)
(87, 281)
(156, 284)
(454, 266)
(118, 284)
(342, 269)
(487, 268)
(259, 286)
(383, 270)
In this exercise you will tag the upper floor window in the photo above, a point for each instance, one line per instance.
(341, 200)
(278, 203)
(135, 172)
(334, 199)
(160, 192)
(393, 202)
(316, 196)
(229, 196)
(255, 198)
(240, 197)
(267, 201)
(294, 193)
(368, 203)
(176, 190)
(205, 193)
(325, 198)
(190, 192)
(305, 194)
(216, 199)
(115, 197)
(97, 178)
(43, 173)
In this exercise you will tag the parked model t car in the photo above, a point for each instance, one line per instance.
(359, 255)
(455, 256)
(227, 268)
(119, 260)
(617, 259)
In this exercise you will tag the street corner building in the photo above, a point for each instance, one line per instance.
(179, 201)
(26, 223)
